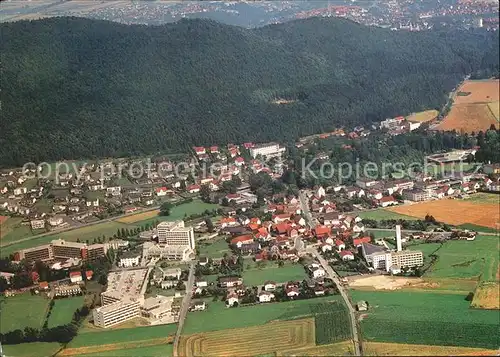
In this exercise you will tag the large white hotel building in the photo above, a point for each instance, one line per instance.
(175, 234)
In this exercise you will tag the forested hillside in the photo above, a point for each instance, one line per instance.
(79, 88)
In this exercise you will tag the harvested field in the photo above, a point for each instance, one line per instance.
(399, 349)
(495, 109)
(487, 296)
(278, 336)
(114, 346)
(3, 219)
(482, 91)
(468, 118)
(139, 217)
(385, 282)
(423, 117)
(454, 212)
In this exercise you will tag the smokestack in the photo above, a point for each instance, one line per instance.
(399, 245)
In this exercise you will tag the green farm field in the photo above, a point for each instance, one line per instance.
(218, 317)
(381, 214)
(288, 272)
(12, 230)
(427, 319)
(102, 337)
(34, 349)
(463, 259)
(213, 248)
(23, 310)
(63, 310)
(178, 212)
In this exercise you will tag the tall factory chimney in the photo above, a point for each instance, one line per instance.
(399, 244)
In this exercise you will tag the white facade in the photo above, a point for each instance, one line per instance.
(130, 261)
(271, 149)
(175, 233)
(115, 313)
(75, 278)
(266, 296)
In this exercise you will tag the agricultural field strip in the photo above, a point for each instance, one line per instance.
(234, 342)
(113, 346)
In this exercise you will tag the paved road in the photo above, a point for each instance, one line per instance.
(304, 206)
(333, 275)
(185, 306)
(57, 231)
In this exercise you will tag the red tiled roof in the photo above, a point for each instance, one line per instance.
(387, 199)
(282, 227)
(43, 284)
(358, 241)
(244, 238)
(75, 273)
(253, 226)
(339, 242)
(345, 253)
(322, 230)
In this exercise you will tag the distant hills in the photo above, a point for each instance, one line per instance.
(80, 88)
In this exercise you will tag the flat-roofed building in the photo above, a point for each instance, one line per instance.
(417, 195)
(67, 290)
(95, 251)
(64, 250)
(157, 307)
(42, 253)
(175, 233)
(268, 150)
(115, 313)
(167, 252)
(407, 258)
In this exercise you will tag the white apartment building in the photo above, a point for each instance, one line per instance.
(175, 233)
(130, 260)
(268, 150)
(115, 313)
(168, 252)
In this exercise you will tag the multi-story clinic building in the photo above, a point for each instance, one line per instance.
(268, 150)
(175, 234)
(123, 297)
(117, 312)
(60, 249)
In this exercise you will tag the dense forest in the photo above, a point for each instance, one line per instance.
(80, 88)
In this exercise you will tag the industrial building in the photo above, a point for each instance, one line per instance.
(392, 261)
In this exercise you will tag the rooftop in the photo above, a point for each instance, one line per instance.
(126, 283)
